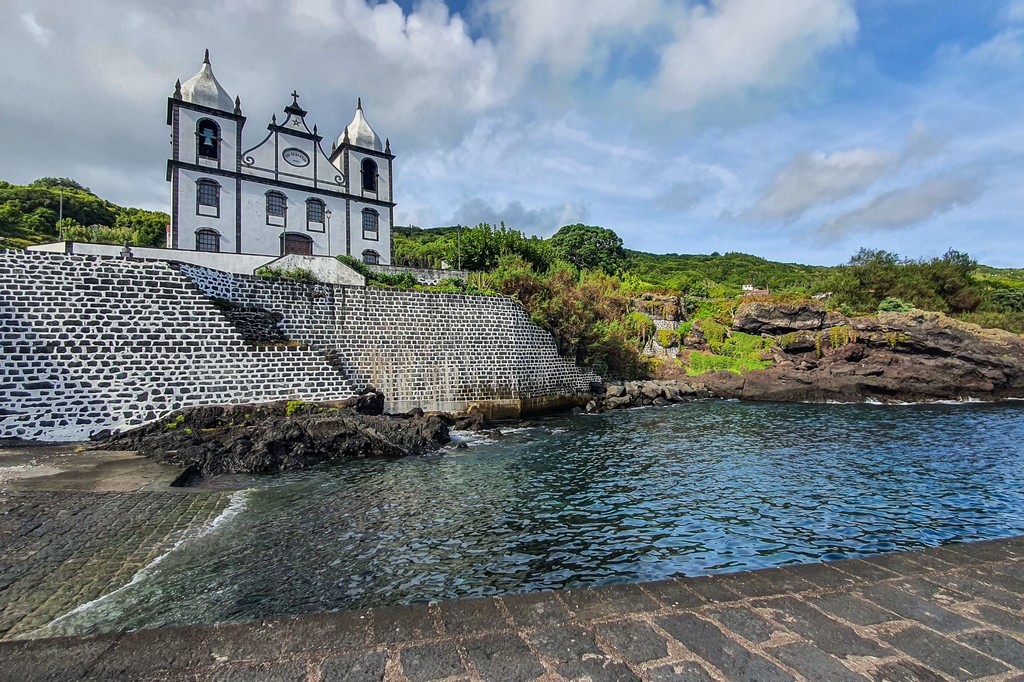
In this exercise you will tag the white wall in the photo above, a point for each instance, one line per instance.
(383, 243)
(326, 269)
(189, 221)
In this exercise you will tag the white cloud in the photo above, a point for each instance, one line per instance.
(1015, 11)
(543, 221)
(904, 207)
(565, 36)
(817, 178)
(40, 34)
(814, 178)
(733, 46)
(1005, 49)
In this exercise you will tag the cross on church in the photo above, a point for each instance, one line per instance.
(295, 98)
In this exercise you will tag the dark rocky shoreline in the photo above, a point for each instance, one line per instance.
(817, 357)
(267, 438)
(820, 356)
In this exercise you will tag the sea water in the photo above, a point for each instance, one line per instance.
(629, 496)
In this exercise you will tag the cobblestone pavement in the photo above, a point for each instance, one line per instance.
(951, 613)
(59, 550)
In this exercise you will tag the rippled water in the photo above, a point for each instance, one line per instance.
(623, 497)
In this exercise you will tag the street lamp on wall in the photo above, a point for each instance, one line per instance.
(327, 214)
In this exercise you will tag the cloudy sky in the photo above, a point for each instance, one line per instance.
(797, 130)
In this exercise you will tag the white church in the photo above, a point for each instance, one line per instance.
(282, 195)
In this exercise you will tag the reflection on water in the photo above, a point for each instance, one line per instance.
(623, 497)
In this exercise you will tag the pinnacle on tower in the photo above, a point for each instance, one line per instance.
(206, 57)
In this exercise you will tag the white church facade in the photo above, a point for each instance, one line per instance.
(282, 195)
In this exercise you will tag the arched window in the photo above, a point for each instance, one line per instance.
(207, 139)
(371, 224)
(296, 243)
(371, 257)
(277, 208)
(369, 169)
(207, 197)
(207, 240)
(315, 215)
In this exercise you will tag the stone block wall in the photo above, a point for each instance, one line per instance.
(89, 343)
(428, 276)
(426, 350)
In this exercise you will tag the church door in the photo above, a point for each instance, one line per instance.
(299, 244)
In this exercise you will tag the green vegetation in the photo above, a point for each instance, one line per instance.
(668, 338)
(732, 351)
(30, 214)
(891, 304)
(588, 247)
(294, 406)
(295, 274)
(716, 275)
(583, 286)
(356, 264)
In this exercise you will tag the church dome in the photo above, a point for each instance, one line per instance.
(359, 132)
(203, 89)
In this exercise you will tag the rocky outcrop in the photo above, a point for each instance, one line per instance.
(777, 318)
(612, 396)
(905, 357)
(275, 437)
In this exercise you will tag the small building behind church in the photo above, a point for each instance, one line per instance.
(281, 195)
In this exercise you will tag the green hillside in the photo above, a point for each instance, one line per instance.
(582, 283)
(29, 214)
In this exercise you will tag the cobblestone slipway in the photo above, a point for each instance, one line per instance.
(950, 613)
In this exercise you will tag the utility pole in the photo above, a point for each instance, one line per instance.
(60, 220)
(458, 233)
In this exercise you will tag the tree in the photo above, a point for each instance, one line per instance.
(57, 183)
(589, 247)
(147, 228)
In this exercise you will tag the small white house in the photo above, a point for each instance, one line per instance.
(281, 195)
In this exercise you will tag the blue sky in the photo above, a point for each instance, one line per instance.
(797, 130)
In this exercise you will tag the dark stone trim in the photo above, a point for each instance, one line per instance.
(172, 103)
(174, 208)
(348, 226)
(364, 150)
(238, 188)
(272, 183)
(391, 211)
(282, 130)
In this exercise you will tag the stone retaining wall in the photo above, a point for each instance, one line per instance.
(89, 343)
(94, 342)
(426, 350)
(427, 276)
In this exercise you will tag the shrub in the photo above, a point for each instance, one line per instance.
(296, 274)
(891, 304)
(714, 333)
(718, 310)
(399, 280)
(640, 328)
(356, 264)
(667, 338)
(701, 363)
(294, 406)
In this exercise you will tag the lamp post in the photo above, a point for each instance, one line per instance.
(327, 214)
